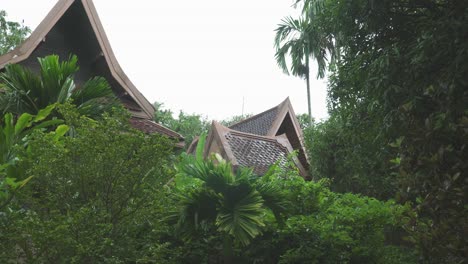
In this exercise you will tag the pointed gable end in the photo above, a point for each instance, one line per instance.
(73, 27)
(276, 121)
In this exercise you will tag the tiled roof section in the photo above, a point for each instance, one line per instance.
(259, 124)
(151, 127)
(256, 153)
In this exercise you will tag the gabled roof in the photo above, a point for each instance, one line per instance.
(23, 51)
(74, 25)
(249, 150)
(278, 120)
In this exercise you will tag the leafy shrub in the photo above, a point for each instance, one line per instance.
(95, 197)
(352, 158)
(327, 227)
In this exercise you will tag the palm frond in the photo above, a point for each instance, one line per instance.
(57, 78)
(196, 212)
(94, 98)
(291, 41)
(242, 219)
(19, 89)
(273, 199)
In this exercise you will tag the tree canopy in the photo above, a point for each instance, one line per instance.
(11, 33)
(398, 106)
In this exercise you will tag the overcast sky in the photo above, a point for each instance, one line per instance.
(207, 56)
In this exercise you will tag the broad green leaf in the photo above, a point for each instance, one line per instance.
(23, 182)
(60, 131)
(23, 121)
(44, 113)
(200, 147)
(48, 123)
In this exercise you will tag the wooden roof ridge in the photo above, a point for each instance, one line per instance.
(287, 109)
(23, 51)
(193, 145)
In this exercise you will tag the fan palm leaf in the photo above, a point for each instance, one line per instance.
(241, 214)
(230, 200)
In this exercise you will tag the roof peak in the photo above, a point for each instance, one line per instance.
(25, 49)
(285, 101)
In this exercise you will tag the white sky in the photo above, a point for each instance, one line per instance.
(207, 55)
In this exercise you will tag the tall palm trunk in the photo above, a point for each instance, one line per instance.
(308, 89)
(308, 99)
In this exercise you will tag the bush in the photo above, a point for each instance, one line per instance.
(352, 158)
(327, 227)
(96, 195)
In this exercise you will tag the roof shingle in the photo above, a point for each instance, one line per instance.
(257, 153)
(259, 124)
(150, 127)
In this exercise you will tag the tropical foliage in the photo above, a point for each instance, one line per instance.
(93, 196)
(107, 193)
(188, 125)
(298, 40)
(318, 226)
(229, 201)
(397, 93)
(389, 165)
(353, 162)
(14, 137)
(24, 91)
(11, 33)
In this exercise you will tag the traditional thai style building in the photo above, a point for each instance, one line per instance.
(259, 141)
(73, 27)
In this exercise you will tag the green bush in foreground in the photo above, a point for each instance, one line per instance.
(94, 195)
(321, 227)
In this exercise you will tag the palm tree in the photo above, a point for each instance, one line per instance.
(299, 39)
(23, 91)
(234, 202)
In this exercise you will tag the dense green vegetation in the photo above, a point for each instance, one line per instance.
(11, 33)
(108, 193)
(94, 196)
(398, 104)
(188, 125)
(389, 165)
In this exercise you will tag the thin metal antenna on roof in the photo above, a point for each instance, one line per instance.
(242, 106)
